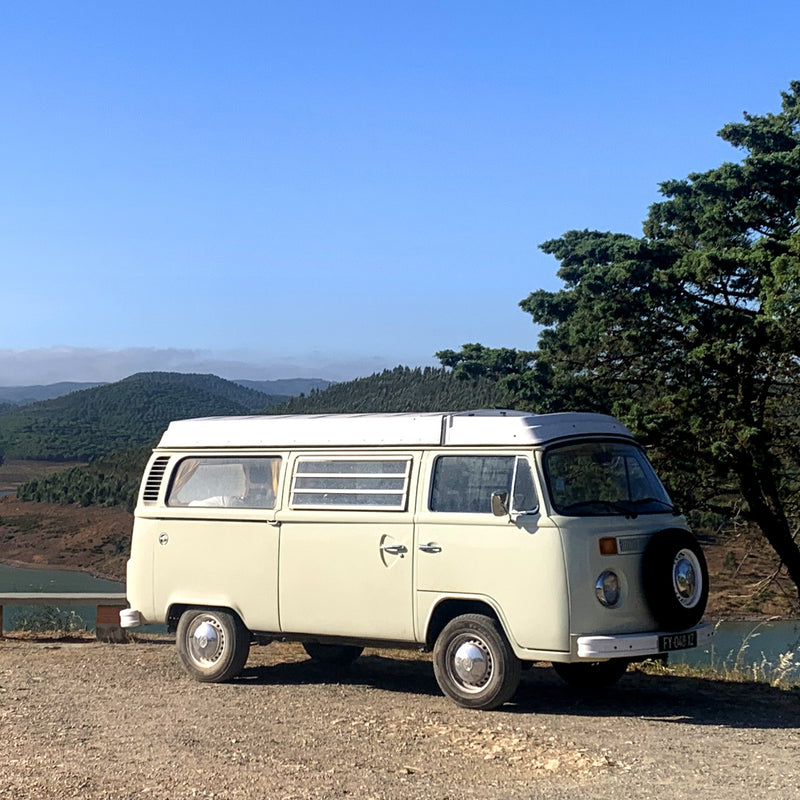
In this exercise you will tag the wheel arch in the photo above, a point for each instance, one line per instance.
(449, 608)
(176, 610)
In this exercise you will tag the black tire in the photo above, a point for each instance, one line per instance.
(336, 655)
(592, 674)
(474, 663)
(213, 645)
(675, 579)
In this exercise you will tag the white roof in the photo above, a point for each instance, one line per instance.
(466, 428)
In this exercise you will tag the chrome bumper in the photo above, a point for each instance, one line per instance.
(628, 645)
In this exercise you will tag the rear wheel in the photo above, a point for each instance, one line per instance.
(474, 663)
(213, 645)
(592, 674)
(337, 655)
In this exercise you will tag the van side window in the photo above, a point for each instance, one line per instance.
(243, 482)
(466, 483)
(350, 483)
(524, 497)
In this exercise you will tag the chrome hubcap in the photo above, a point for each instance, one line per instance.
(686, 578)
(471, 663)
(206, 640)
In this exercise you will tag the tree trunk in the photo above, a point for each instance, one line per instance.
(759, 489)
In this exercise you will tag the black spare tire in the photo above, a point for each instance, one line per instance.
(675, 578)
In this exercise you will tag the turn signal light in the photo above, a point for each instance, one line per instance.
(608, 546)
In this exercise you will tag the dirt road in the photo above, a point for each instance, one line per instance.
(123, 721)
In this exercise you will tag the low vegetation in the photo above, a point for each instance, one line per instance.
(109, 481)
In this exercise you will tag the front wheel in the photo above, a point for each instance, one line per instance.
(212, 645)
(474, 663)
(592, 674)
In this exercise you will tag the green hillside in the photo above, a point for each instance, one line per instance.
(120, 416)
(130, 415)
(402, 389)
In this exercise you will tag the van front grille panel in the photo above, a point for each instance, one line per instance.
(632, 544)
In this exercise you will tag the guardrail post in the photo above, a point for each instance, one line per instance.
(107, 627)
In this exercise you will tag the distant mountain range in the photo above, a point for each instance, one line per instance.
(109, 418)
(133, 413)
(114, 426)
(22, 395)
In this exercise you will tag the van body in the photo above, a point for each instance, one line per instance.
(492, 538)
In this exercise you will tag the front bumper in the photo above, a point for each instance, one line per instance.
(630, 645)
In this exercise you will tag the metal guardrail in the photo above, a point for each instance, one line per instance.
(108, 606)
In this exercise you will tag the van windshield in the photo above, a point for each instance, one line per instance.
(602, 479)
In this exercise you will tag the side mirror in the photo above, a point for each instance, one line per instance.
(500, 504)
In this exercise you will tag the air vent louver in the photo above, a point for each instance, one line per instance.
(154, 478)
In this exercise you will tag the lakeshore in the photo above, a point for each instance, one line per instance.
(47, 536)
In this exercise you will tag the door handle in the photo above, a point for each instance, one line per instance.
(394, 549)
(431, 547)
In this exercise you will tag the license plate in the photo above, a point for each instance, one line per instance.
(677, 641)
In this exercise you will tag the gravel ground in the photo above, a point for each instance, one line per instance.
(89, 720)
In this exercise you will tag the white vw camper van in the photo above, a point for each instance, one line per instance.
(492, 538)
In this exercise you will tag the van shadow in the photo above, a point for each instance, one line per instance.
(665, 698)
(405, 676)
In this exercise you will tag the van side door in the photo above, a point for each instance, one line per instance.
(346, 546)
(215, 544)
(514, 562)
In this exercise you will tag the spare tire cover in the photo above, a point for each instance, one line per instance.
(675, 579)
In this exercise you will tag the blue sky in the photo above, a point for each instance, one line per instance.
(269, 190)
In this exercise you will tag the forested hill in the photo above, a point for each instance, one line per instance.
(289, 387)
(120, 416)
(402, 389)
(135, 411)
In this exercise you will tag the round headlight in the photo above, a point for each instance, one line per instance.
(607, 588)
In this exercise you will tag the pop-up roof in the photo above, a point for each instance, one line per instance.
(465, 428)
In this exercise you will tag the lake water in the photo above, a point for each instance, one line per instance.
(22, 579)
(749, 646)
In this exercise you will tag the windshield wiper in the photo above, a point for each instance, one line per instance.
(668, 506)
(618, 507)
